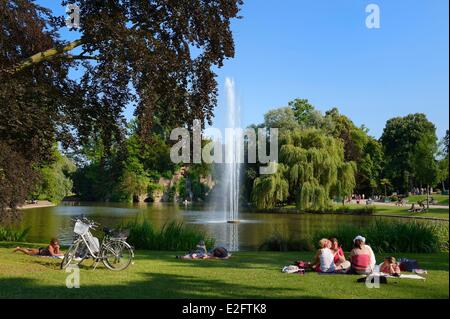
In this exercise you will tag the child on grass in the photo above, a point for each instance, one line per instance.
(390, 266)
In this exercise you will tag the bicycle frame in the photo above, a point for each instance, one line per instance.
(105, 241)
(111, 251)
(82, 238)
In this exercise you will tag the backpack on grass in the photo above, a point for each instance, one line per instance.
(408, 264)
(220, 252)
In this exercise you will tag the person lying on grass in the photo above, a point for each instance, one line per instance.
(216, 253)
(51, 250)
(390, 266)
(199, 252)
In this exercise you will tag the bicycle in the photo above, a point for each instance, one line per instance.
(114, 252)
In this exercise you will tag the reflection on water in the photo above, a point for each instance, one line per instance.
(247, 235)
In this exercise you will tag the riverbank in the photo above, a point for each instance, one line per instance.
(39, 204)
(245, 275)
(434, 213)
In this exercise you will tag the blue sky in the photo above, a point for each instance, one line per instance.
(321, 50)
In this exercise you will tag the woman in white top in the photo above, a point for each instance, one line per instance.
(324, 260)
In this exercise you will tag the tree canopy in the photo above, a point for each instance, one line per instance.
(409, 145)
(311, 171)
(155, 55)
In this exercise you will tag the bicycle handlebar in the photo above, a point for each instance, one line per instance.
(85, 220)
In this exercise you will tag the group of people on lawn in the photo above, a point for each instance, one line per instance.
(330, 258)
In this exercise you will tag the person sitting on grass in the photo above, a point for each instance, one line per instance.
(342, 265)
(324, 259)
(362, 257)
(390, 266)
(52, 250)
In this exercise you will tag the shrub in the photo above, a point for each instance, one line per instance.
(8, 234)
(383, 236)
(363, 210)
(279, 242)
(173, 236)
(155, 187)
(393, 236)
(394, 198)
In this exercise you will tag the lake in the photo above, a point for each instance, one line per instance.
(56, 221)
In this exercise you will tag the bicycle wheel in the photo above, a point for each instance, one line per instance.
(117, 255)
(69, 255)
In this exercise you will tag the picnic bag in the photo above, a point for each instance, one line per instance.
(220, 252)
(408, 264)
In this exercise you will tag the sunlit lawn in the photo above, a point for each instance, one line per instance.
(403, 211)
(245, 275)
(441, 199)
(384, 210)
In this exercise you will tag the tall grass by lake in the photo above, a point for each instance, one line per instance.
(16, 235)
(173, 236)
(383, 236)
(280, 242)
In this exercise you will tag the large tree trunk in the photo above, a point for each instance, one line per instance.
(428, 197)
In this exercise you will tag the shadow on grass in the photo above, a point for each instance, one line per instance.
(264, 260)
(251, 260)
(274, 260)
(154, 285)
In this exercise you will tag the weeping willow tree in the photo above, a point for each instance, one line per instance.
(346, 181)
(315, 168)
(269, 190)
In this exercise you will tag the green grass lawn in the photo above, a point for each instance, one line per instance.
(244, 275)
(403, 211)
(381, 210)
(441, 199)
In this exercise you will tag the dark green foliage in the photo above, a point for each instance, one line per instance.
(387, 236)
(132, 53)
(364, 210)
(370, 168)
(270, 190)
(306, 115)
(30, 102)
(384, 236)
(173, 236)
(55, 182)
(315, 168)
(195, 174)
(17, 179)
(282, 118)
(409, 145)
(125, 173)
(13, 235)
(280, 242)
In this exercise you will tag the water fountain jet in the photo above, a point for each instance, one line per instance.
(232, 154)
